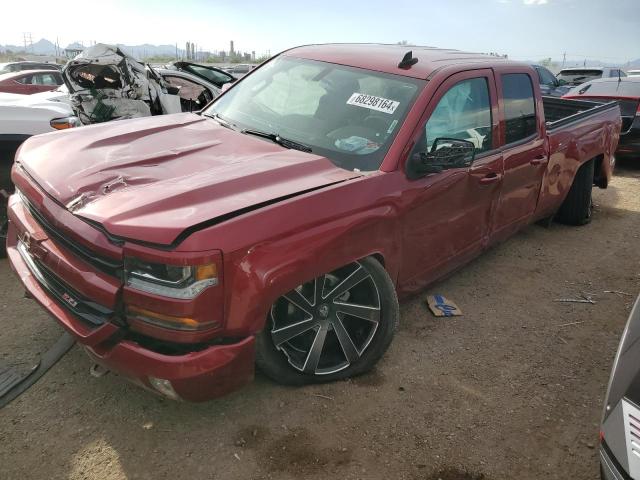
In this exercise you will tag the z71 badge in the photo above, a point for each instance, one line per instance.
(69, 299)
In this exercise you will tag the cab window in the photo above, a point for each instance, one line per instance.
(519, 107)
(464, 112)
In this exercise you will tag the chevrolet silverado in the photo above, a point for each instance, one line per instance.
(278, 226)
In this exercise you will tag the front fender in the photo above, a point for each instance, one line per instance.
(255, 278)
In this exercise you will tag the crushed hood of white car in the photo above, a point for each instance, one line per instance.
(107, 84)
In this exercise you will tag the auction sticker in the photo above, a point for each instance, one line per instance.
(375, 103)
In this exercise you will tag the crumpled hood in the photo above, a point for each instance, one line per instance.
(149, 179)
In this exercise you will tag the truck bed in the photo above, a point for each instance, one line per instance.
(561, 111)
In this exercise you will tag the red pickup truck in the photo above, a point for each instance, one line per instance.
(276, 226)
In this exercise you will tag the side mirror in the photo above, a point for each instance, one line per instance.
(445, 153)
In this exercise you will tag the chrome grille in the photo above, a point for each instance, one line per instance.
(107, 265)
(91, 312)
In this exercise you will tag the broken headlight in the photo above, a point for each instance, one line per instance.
(174, 281)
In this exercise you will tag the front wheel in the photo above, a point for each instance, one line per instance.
(335, 326)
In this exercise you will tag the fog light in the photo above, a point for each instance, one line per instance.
(164, 387)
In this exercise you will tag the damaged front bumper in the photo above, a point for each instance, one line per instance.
(206, 372)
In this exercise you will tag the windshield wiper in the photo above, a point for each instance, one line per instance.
(220, 120)
(276, 138)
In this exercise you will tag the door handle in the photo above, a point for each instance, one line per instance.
(490, 178)
(539, 160)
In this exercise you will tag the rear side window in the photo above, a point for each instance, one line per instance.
(46, 79)
(519, 106)
(579, 76)
(26, 80)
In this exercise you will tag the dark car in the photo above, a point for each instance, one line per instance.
(549, 84)
(208, 73)
(20, 66)
(626, 90)
(577, 76)
(620, 427)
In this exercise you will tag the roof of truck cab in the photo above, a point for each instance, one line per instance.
(385, 58)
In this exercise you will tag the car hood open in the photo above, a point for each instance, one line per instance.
(149, 179)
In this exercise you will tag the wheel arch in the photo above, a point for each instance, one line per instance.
(255, 279)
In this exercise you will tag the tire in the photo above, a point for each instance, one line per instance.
(577, 207)
(363, 288)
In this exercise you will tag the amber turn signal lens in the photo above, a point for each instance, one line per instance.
(166, 321)
(204, 272)
(64, 123)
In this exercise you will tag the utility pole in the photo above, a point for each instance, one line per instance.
(28, 41)
(564, 58)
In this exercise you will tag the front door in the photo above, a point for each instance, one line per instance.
(450, 213)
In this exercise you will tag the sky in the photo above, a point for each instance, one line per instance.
(523, 29)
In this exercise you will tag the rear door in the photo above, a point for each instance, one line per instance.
(523, 149)
(449, 214)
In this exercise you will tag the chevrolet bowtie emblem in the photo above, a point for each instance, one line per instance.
(32, 244)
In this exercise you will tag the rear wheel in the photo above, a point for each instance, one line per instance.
(335, 326)
(577, 208)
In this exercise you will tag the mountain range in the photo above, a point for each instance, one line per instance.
(45, 47)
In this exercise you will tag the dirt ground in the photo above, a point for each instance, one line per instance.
(513, 389)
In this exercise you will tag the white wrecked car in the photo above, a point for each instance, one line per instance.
(107, 84)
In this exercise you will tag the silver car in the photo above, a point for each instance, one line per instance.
(620, 428)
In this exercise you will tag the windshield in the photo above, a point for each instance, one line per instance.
(579, 76)
(609, 88)
(215, 77)
(346, 114)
